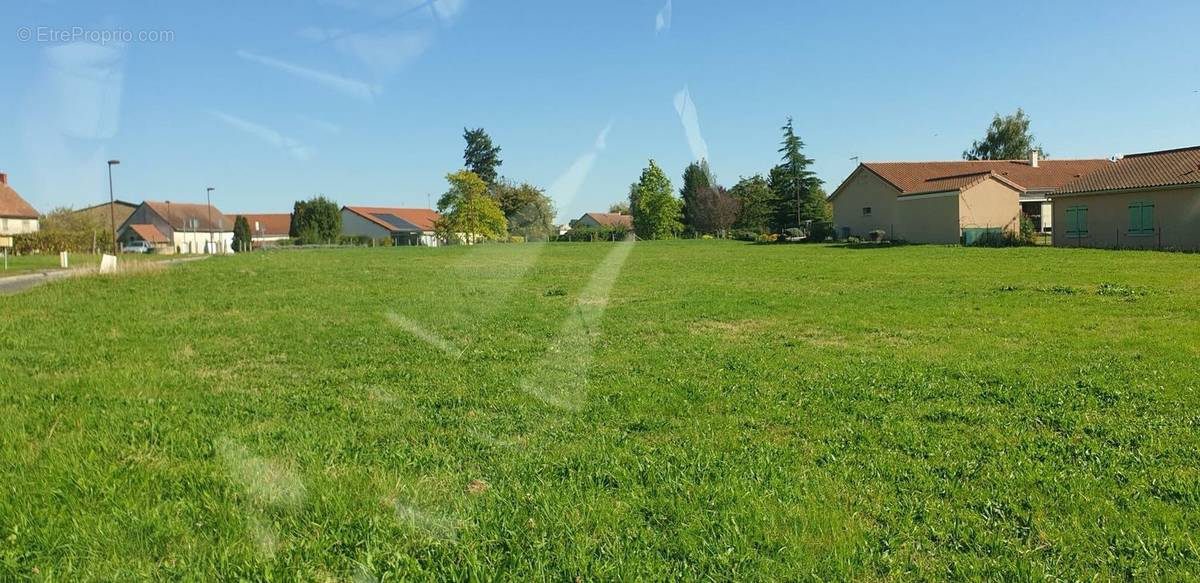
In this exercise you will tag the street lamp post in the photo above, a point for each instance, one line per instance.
(212, 246)
(112, 211)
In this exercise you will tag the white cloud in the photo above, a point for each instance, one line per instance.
(291, 146)
(663, 20)
(345, 85)
(691, 124)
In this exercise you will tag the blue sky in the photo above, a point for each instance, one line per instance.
(365, 100)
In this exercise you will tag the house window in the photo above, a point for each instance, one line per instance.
(4, 225)
(866, 211)
(1077, 221)
(1141, 217)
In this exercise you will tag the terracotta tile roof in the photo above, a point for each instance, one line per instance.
(149, 233)
(398, 219)
(1148, 170)
(269, 224)
(611, 219)
(917, 177)
(183, 214)
(12, 205)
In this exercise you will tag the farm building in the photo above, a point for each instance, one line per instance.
(1141, 201)
(604, 220)
(267, 227)
(174, 227)
(403, 226)
(941, 202)
(17, 217)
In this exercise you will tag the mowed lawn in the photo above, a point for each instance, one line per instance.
(722, 411)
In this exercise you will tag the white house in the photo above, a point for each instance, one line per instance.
(179, 227)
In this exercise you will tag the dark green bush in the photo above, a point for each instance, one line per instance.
(820, 231)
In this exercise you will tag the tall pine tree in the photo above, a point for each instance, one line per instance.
(481, 156)
(796, 186)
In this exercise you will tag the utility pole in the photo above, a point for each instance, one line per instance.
(112, 211)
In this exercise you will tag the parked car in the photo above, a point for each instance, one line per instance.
(137, 247)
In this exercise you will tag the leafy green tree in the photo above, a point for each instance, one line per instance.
(796, 186)
(1007, 138)
(241, 234)
(316, 220)
(473, 215)
(529, 212)
(757, 204)
(816, 205)
(697, 178)
(621, 208)
(481, 156)
(294, 227)
(656, 211)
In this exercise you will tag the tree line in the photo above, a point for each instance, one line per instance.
(789, 195)
(481, 204)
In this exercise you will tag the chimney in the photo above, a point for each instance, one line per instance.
(1034, 157)
(3, 178)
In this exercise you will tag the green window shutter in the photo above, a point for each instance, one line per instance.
(1141, 218)
(1077, 221)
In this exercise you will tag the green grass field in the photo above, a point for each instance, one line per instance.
(24, 264)
(703, 410)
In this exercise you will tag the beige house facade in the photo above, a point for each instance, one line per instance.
(941, 202)
(984, 201)
(1142, 201)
